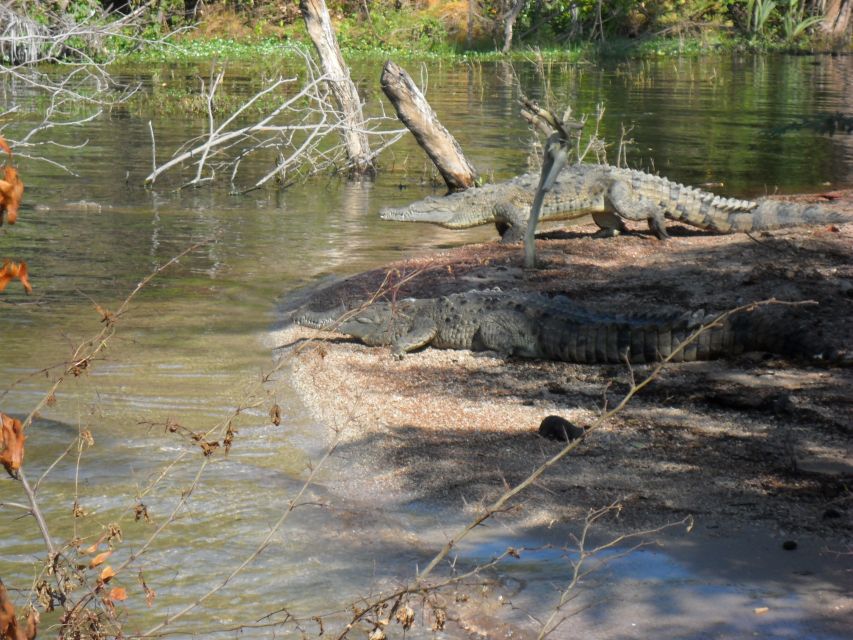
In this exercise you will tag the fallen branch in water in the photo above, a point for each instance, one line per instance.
(295, 132)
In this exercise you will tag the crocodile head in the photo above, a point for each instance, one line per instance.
(380, 323)
(461, 210)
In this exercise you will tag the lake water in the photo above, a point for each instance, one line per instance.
(194, 344)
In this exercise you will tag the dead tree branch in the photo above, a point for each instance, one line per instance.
(295, 133)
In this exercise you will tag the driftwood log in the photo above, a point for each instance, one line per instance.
(414, 111)
(319, 27)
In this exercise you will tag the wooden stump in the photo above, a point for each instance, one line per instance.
(414, 111)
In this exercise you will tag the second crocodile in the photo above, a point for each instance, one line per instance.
(533, 325)
(611, 195)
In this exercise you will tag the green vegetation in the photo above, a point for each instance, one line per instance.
(556, 29)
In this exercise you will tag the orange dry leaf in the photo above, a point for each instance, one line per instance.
(9, 628)
(12, 270)
(99, 559)
(92, 548)
(11, 444)
(117, 593)
(5, 146)
(11, 194)
(106, 574)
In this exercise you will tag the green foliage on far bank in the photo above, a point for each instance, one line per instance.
(559, 29)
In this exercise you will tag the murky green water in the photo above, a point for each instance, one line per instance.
(193, 344)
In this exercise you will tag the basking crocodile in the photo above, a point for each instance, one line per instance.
(610, 194)
(534, 325)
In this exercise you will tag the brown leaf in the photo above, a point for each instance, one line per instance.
(99, 559)
(107, 316)
(32, 625)
(439, 619)
(150, 594)
(405, 616)
(11, 194)
(5, 145)
(275, 414)
(228, 440)
(207, 448)
(77, 510)
(106, 573)
(12, 270)
(117, 593)
(11, 444)
(140, 512)
(9, 628)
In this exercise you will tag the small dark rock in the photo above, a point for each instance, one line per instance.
(831, 513)
(557, 389)
(557, 428)
(789, 545)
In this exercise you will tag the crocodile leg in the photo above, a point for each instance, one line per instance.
(633, 207)
(420, 335)
(507, 332)
(609, 224)
(511, 221)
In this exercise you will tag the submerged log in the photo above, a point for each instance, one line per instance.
(414, 111)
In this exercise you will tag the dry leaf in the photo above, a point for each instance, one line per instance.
(140, 512)
(5, 146)
(9, 627)
(11, 194)
(11, 444)
(99, 559)
(439, 619)
(275, 414)
(106, 574)
(150, 594)
(405, 616)
(12, 270)
(117, 593)
(207, 448)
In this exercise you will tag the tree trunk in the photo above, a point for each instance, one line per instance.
(509, 24)
(836, 17)
(414, 111)
(469, 33)
(320, 30)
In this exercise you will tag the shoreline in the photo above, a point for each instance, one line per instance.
(754, 449)
(441, 399)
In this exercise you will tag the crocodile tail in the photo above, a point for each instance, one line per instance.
(776, 214)
(319, 319)
(642, 339)
(637, 339)
(789, 332)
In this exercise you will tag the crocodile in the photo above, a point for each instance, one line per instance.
(535, 325)
(610, 194)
